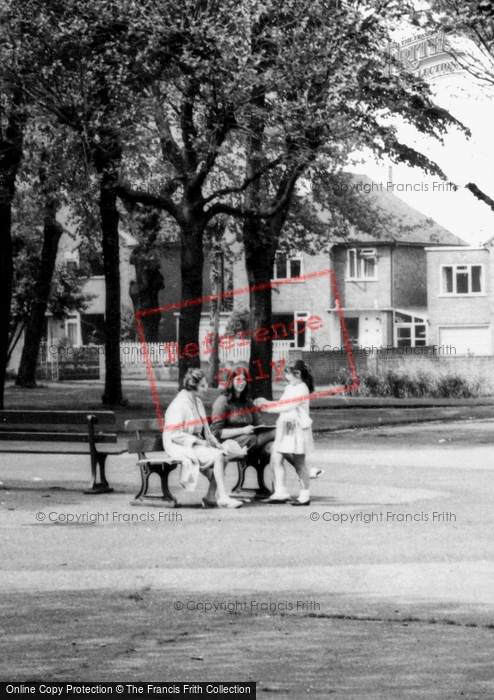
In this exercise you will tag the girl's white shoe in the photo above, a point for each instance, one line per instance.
(314, 473)
(229, 503)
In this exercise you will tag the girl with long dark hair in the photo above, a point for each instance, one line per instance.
(293, 433)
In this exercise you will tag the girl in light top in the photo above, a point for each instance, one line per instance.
(293, 433)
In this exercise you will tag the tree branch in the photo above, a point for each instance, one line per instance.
(480, 195)
(219, 134)
(170, 150)
(189, 131)
(243, 212)
(162, 201)
(248, 181)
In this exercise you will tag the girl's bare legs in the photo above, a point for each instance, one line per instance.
(209, 474)
(219, 476)
(279, 472)
(298, 461)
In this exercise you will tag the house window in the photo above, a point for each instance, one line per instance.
(72, 329)
(362, 264)
(71, 260)
(410, 331)
(352, 329)
(291, 327)
(457, 280)
(287, 266)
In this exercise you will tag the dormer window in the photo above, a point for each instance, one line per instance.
(362, 264)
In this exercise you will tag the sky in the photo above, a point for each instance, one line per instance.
(462, 159)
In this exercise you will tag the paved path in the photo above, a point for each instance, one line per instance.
(382, 588)
(394, 520)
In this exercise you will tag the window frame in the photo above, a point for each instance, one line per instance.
(455, 267)
(359, 276)
(71, 259)
(416, 322)
(289, 258)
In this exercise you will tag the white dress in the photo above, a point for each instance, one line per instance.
(291, 437)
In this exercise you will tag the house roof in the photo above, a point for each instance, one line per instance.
(401, 223)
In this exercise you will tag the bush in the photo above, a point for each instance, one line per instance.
(406, 384)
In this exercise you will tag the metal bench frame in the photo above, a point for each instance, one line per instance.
(23, 426)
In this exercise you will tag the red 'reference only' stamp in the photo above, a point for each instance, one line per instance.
(274, 331)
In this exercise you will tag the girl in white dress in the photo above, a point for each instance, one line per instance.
(293, 433)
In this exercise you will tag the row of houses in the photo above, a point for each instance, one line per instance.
(411, 284)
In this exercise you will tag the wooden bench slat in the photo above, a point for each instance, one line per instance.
(147, 444)
(158, 460)
(55, 437)
(8, 417)
(58, 448)
(142, 425)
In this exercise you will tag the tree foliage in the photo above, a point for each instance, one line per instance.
(469, 29)
(217, 108)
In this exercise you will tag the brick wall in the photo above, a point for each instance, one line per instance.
(364, 294)
(409, 277)
(311, 296)
(326, 366)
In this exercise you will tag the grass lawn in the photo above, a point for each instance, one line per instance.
(82, 396)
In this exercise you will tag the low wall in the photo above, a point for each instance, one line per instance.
(326, 367)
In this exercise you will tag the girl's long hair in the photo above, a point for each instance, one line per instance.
(305, 373)
(229, 391)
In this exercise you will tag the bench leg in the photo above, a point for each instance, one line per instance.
(242, 468)
(98, 485)
(162, 471)
(263, 489)
(144, 480)
(167, 495)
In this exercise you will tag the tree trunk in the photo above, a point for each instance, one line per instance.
(214, 321)
(260, 245)
(37, 316)
(10, 158)
(192, 263)
(259, 262)
(107, 158)
(144, 292)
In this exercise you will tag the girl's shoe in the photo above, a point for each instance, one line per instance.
(315, 473)
(206, 503)
(277, 498)
(262, 495)
(300, 503)
(229, 503)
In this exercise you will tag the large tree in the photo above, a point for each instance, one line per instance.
(48, 169)
(85, 73)
(263, 95)
(13, 117)
(339, 95)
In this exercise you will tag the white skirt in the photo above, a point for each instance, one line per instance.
(291, 438)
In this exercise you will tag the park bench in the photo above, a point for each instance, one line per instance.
(147, 438)
(60, 431)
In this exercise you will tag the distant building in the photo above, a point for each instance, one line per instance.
(461, 298)
(381, 280)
